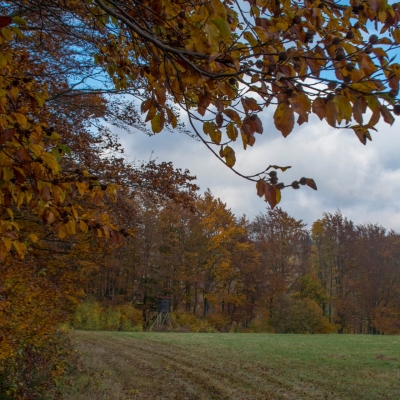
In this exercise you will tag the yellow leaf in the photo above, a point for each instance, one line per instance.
(10, 213)
(20, 247)
(231, 131)
(7, 243)
(278, 195)
(50, 161)
(21, 119)
(396, 35)
(223, 26)
(215, 135)
(83, 226)
(6, 33)
(33, 238)
(230, 157)
(250, 38)
(157, 123)
(345, 110)
(62, 233)
(20, 199)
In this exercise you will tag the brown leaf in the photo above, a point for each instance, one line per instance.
(301, 104)
(362, 133)
(261, 186)
(232, 114)
(283, 169)
(357, 111)
(311, 184)
(250, 104)
(219, 119)
(45, 193)
(5, 21)
(284, 118)
(374, 117)
(387, 115)
(331, 113)
(375, 5)
(256, 124)
(22, 154)
(204, 102)
(319, 108)
(271, 195)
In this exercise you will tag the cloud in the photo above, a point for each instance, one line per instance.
(362, 181)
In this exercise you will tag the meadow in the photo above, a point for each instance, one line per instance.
(147, 365)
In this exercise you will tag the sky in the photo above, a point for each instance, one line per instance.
(362, 181)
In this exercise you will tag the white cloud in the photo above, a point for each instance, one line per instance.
(363, 181)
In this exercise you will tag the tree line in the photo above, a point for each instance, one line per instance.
(335, 276)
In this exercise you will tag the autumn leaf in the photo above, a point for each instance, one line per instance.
(5, 21)
(45, 193)
(331, 113)
(301, 104)
(157, 123)
(261, 187)
(284, 118)
(223, 26)
(230, 157)
(231, 131)
(283, 169)
(232, 114)
(386, 114)
(319, 108)
(272, 195)
(311, 183)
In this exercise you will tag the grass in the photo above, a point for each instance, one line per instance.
(193, 366)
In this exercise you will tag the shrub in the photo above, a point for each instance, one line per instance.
(37, 371)
(220, 322)
(291, 315)
(192, 323)
(94, 317)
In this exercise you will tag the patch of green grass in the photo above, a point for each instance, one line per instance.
(236, 366)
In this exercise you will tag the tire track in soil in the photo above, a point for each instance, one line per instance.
(185, 381)
(244, 384)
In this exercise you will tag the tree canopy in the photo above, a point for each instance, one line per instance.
(71, 69)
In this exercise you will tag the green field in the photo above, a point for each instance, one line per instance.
(235, 366)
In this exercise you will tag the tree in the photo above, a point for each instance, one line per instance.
(283, 245)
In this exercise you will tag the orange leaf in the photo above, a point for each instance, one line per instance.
(284, 118)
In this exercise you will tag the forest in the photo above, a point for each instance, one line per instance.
(270, 274)
(83, 226)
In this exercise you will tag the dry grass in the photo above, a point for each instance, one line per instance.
(152, 366)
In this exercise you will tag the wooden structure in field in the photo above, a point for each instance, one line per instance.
(163, 316)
